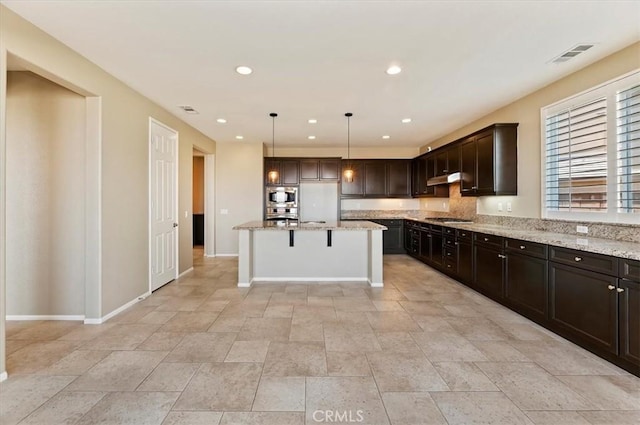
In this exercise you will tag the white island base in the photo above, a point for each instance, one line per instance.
(334, 252)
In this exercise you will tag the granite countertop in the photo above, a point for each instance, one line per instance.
(611, 247)
(330, 225)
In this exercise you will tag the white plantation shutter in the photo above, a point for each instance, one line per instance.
(591, 150)
(576, 158)
(628, 147)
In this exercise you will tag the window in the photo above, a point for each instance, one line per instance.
(592, 154)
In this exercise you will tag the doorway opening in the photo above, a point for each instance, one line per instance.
(198, 207)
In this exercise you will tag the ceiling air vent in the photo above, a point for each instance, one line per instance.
(188, 109)
(572, 53)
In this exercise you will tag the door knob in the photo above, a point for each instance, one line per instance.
(175, 224)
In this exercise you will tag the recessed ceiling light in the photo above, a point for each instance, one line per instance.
(239, 137)
(313, 121)
(311, 137)
(386, 137)
(244, 70)
(406, 120)
(394, 70)
(221, 120)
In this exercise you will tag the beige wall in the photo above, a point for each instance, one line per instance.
(45, 197)
(124, 161)
(198, 184)
(526, 111)
(238, 189)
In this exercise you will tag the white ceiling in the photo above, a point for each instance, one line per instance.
(320, 59)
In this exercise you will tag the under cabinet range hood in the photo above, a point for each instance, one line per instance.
(444, 179)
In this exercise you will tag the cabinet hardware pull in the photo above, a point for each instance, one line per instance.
(578, 258)
(620, 290)
(474, 187)
(502, 256)
(611, 287)
(445, 171)
(456, 243)
(522, 247)
(449, 266)
(486, 239)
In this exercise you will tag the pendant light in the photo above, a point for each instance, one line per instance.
(273, 175)
(348, 172)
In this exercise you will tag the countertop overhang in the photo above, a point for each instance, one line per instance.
(330, 225)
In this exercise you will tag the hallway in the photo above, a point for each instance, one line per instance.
(422, 350)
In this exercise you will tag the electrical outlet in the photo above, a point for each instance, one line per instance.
(499, 206)
(508, 206)
(186, 214)
(582, 229)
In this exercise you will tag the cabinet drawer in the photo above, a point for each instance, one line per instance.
(464, 235)
(629, 269)
(449, 253)
(585, 260)
(450, 265)
(488, 239)
(449, 241)
(448, 231)
(527, 248)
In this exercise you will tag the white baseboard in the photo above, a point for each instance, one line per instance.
(116, 311)
(226, 255)
(376, 284)
(310, 279)
(3, 376)
(189, 270)
(13, 317)
(209, 255)
(244, 284)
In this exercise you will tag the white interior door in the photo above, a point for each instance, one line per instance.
(163, 202)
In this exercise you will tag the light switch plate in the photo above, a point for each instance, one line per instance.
(508, 206)
(499, 206)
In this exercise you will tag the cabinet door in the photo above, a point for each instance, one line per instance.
(407, 238)
(583, 305)
(436, 248)
(393, 240)
(290, 172)
(354, 189)
(416, 168)
(485, 163)
(375, 179)
(441, 164)
(425, 245)
(465, 263)
(468, 167)
(309, 170)
(526, 285)
(329, 169)
(488, 277)
(399, 178)
(272, 164)
(453, 159)
(629, 303)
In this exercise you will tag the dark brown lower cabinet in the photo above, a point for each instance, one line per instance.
(436, 248)
(583, 305)
(526, 285)
(629, 314)
(489, 270)
(465, 262)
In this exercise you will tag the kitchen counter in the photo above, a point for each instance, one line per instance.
(339, 251)
(330, 225)
(630, 250)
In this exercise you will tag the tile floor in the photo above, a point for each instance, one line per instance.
(422, 350)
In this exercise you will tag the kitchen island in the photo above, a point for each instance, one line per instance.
(340, 251)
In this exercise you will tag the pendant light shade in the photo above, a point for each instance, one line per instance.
(348, 173)
(274, 174)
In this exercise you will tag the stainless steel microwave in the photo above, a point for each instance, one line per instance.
(281, 197)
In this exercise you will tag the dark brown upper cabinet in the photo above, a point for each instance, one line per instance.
(489, 161)
(355, 188)
(288, 171)
(399, 178)
(447, 160)
(423, 168)
(378, 178)
(319, 169)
